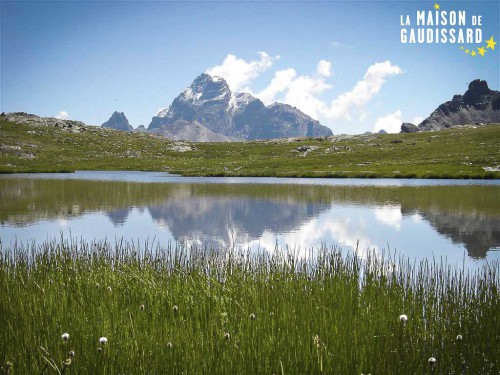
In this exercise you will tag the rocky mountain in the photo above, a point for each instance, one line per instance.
(191, 131)
(209, 111)
(478, 105)
(118, 121)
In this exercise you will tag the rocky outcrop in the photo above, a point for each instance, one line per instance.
(118, 121)
(34, 120)
(478, 105)
(209, 111)
(408, 127)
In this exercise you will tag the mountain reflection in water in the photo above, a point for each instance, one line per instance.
(242, 215)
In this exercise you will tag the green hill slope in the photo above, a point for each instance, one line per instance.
(462, 152)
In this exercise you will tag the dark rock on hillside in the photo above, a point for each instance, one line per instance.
(210, 106)
(118, 121)
(478, 105)
(408, 127)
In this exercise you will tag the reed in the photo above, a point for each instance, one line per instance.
(84, 307)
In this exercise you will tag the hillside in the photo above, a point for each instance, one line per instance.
(460, 152)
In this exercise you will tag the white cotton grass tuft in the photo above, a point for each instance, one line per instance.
(403, 318)
(459, 338)
(65, 336)
(103, 341)
(432, 361)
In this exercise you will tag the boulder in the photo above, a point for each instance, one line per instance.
(408, 127)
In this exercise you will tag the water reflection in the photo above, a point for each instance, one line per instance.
(231, 221)
(419, 221)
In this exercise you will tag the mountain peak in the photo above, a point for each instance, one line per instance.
(118, 115)
(476, 90)
(478, 105)
(118, 121)
(209, 103)
(207, 87)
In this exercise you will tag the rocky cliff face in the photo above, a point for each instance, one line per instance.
(118, 121)
(479, 105)
(210, 106)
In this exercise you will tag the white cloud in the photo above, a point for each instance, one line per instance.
(417, 120)
(304, 91)
(299, 91)
(238, 72)
(335, 44)
(279, 83)
(324, 68)
(390, 123)
(390, 215)
(363, 91)
(63, 115)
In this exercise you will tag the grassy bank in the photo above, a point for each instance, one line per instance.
(169, 310)
(452, 153)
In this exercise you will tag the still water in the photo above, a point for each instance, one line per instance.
(455, 220)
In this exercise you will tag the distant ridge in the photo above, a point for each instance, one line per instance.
(478, 105)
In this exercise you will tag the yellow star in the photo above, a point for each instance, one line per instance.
(491, 43)
(473, 53)
(467, 51)
(481, 51)
(436, 6)
(461, 47)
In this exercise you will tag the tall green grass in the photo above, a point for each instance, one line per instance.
(204, 311)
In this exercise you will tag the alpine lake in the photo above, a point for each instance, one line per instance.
(151, 273)
(457, 221)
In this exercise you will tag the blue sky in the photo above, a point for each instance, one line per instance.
(342, 62)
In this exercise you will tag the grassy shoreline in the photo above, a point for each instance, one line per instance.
(470, 153)
(219, 311)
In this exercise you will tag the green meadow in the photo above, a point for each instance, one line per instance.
(177, 310)
(452, 153)
(83, 307)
